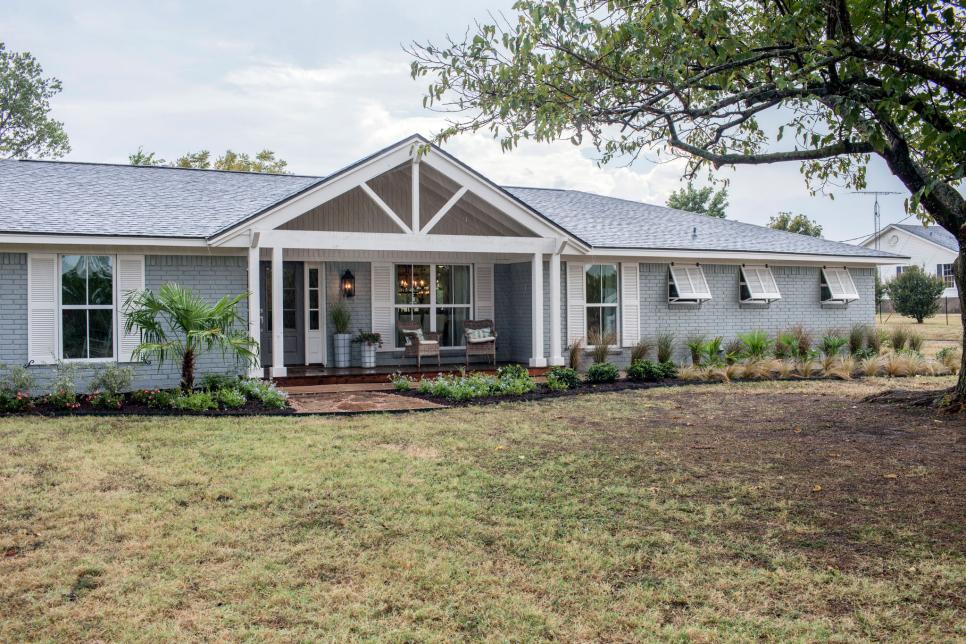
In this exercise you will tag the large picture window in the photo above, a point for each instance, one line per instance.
(600, 281)
(87, 307)
(438, 296)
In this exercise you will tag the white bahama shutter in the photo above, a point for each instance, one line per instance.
(42, 308)
(576, 303)
(630, 305)
(382, 304)
(130, 278)
(484, 292)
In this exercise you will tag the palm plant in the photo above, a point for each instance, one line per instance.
(756, 343)
(832, 344)
(695, 345)
(177, 323)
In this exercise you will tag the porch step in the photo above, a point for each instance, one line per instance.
(314, 376)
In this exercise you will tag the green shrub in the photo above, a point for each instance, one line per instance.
(17, 379)
(509, 381)
(640, 350)
(857, 338)
(218, 381)
(734, 351)
(106, 400)
(832, 344)
(113, 379)
(668, 369)
(65, 378)
(645, 371)
(915, 342)
(401, 382)
(756, 344)
(559, 378)
(512, 371)
(230, 398)
(263, 392)
(14, 402)
(63, 399)
(665, 347)
(197, 401)
(915, 293)
(711, 353)
(898, 338)
(600, 372)
(154, 398)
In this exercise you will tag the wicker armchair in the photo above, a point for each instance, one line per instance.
(416, 347)
(480, 346)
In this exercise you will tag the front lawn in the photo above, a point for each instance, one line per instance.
(777, 510)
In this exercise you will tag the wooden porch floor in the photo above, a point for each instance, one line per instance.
(311, 375)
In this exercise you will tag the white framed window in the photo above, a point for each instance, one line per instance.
(901, 269)
(438, 296)
(687, 284)
(601, 302)
(837, 286)
(945, 271)
(756, 284)
(86, 297)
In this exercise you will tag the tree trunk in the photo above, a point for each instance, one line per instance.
(959, 272)
(188, 371)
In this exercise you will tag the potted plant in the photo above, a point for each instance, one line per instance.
(369, 341)
(341, 316)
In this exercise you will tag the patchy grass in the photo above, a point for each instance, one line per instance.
(755, 511)
(936, 331)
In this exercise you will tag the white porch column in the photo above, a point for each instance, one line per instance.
(278, 324)
(536, 312)
(556, 359)
(254, 310)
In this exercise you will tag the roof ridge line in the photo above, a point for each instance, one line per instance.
(166, 167)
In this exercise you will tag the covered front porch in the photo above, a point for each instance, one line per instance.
(409, 235)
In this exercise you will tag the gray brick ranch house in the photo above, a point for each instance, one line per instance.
(421, 237)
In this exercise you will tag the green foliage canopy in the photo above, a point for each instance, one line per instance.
(26, 128)
(264, 161)
(704, 201)
(795, 224)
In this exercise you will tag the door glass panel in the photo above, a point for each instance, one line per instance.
(449, 324)
(313, 299)
(313, 278)
(313, 320)
(452, 284)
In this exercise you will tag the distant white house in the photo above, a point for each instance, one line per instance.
(932, 248)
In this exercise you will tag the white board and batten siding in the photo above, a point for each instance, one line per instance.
(483, 296)
(576, 303)
(43, 328)
(383, 316)
(630, 304)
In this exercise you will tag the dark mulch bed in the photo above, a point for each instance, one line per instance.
(132, 409)
(543, 392)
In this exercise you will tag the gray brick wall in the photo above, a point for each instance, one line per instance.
(360, 305)
(212, 277)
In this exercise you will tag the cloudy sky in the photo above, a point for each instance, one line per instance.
(322, 84)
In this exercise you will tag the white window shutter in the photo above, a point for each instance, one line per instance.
(382, 304)
(130, 277)
(576, 303)
(485, 309)
(42, 308)
(630, 304)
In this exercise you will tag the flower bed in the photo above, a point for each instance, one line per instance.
(217, 395)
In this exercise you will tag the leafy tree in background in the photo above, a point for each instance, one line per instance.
(795, 224)
(26, 129)
(264, 161)
(704, 201)
(843, 79)
(915, 293)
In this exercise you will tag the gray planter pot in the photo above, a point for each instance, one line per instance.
(343, 349)
(368, 355)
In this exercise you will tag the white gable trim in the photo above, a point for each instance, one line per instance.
(870, 242)
(409, 150)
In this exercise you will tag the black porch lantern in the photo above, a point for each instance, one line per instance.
(348, 284)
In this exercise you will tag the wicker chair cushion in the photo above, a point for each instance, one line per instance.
(481, 340)
(416, 332)
(483, 334)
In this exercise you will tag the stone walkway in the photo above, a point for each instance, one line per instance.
(355, 401)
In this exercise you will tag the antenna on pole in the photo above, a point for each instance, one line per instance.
(877, 216)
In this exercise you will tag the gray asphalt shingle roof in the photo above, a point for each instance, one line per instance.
(933, 233)
(53, 197)
(101, 199)
(608, 222)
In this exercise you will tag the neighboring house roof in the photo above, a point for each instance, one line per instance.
(934, 233)
(608, 222)
(57, 197)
